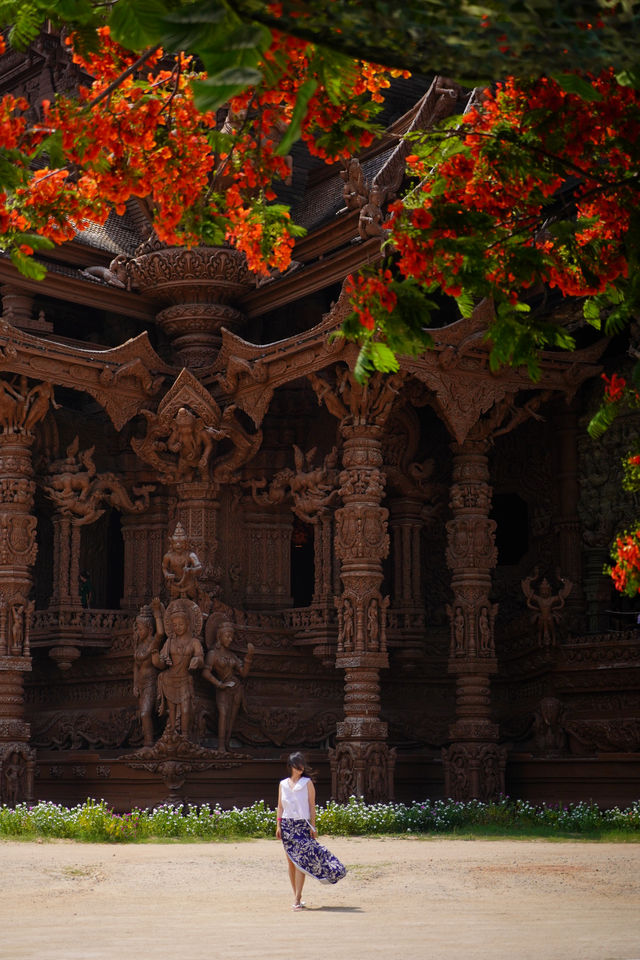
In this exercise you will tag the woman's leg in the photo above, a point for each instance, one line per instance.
(292, 875)
(299, 884)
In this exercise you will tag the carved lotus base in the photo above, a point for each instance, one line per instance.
(194, 330)
(200, 275)
(65, 655)
(198, 286)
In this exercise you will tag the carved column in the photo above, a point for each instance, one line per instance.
(197, 510)
(321, 632)
(268, 549)
(20, 411)
(473, 763)
(144, 544)
(324, 587)
(66, 562)
(362, 763)
(406, 523)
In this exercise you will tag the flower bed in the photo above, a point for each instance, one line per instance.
(96, 821)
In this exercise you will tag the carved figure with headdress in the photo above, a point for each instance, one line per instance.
(180, 655)
(181, 567)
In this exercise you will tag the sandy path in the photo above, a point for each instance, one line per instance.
(403, 899)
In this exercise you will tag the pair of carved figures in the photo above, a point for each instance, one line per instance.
(21, 407)
(469, 636)
(361, 625)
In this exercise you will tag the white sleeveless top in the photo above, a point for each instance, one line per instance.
(295, 799)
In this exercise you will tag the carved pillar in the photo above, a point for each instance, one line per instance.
(473, 763)
(197, 509)
(144, 543)
(324, 591)
(406, 523)
(362, 763)
(268, 549)
(66, 562)
(21, 409)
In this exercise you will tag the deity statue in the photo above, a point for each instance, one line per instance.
(193, 442)
(181, 567)
(546, 606)
(227, 673)
(181, 654)
(146, 643)
(371, 217)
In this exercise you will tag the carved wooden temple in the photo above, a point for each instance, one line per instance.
(216, 546)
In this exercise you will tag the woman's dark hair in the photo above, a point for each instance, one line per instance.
(298, 760)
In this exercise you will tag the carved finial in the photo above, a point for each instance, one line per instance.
(179, 533)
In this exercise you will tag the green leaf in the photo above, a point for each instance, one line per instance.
(213, 92)
(207, 11)
(382, 358)
(363, 368)
(34, 240)
(137, 24)
(591, 313)
(574, 83)
(465, 304)
(602, 420)
(27, 266)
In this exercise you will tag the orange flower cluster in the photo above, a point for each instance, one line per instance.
(625, 571)
(203, 179)
(537, 185)
(369, 295)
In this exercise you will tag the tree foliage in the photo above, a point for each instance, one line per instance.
(530, 195)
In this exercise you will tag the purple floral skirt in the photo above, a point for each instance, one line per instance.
(307, 854)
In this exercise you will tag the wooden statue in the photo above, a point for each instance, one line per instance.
(227, 673)
(181, 654)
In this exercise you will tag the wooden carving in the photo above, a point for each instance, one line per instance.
(183, 434)
(227, 673)
(546, 606)
(121, 379)
(180, 655)
(82, 494)
(148, 633)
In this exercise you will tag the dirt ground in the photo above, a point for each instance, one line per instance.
(403, 899)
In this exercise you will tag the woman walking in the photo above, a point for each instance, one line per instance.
(297, 830)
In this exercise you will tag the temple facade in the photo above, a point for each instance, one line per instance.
(217, 546)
